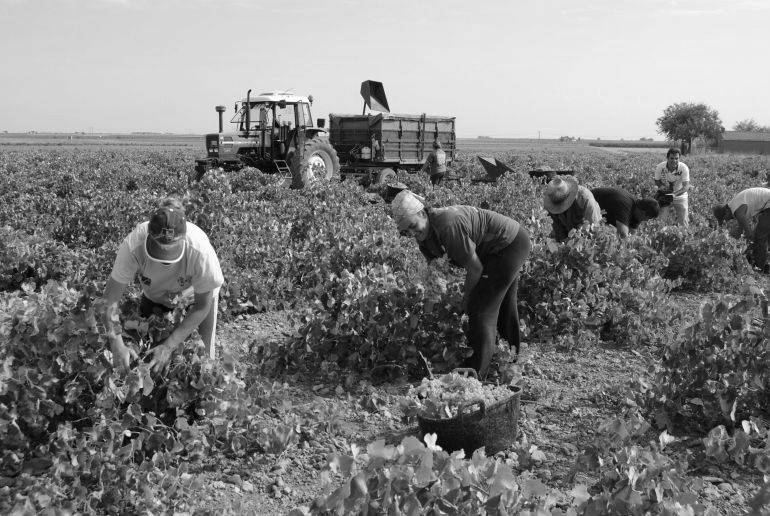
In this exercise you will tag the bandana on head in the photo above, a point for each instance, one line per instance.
(404, 204)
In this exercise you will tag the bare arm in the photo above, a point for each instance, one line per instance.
(195, 316)
(121, 354)
(473, 270)
(113, 291)
(622, 229)
(592, 213)
(741, 215)
(427, 163)
(659, 181)
(685, 187)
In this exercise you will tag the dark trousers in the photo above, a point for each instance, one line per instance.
(492, 303)
(761, 236)
(148, 307)
(436, 179)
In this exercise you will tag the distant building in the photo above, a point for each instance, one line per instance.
(747, 142)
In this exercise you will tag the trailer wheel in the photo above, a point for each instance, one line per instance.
(319, 161)
(386, 176)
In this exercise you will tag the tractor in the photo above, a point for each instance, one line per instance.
(273, 132)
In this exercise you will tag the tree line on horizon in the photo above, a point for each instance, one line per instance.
(685, 121)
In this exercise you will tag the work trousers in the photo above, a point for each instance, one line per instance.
(492, 303)
(761, 236)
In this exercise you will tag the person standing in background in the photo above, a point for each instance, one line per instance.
(436, 164)
(673, 177)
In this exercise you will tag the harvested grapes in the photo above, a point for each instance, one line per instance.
(442, 397)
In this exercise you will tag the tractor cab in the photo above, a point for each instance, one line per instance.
(272, 110)
(266, 130)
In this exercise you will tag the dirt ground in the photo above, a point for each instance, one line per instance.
(567, 394)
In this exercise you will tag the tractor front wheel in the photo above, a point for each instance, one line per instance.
(318, 161)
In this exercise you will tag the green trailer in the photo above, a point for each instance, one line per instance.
(374, 147)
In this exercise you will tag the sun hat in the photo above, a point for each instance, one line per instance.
(404, 204)
(559, 194)
(166, 232)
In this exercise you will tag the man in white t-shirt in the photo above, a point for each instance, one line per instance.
(751, 208)
(674, 177)
(174, 259)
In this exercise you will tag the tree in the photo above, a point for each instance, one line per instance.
(685, 121)
(750, 125)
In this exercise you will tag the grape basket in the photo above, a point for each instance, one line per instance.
(477, 424)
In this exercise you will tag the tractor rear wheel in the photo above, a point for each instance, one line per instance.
(318, 162)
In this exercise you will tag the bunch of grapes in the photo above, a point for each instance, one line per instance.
(442, 398)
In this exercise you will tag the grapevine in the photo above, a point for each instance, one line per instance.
(77, 437)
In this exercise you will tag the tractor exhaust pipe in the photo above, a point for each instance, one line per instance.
(220, 110)
(248, 112)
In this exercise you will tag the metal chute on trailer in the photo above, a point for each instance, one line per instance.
(373, 93)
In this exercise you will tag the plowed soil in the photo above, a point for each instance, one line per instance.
(567, 393)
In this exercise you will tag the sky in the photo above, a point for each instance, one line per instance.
(504, 68)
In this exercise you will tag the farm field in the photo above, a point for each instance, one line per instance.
(188, 141)
(77, 140)
(644, 375)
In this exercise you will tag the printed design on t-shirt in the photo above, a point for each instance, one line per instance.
(145, 280)
(184, 281)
